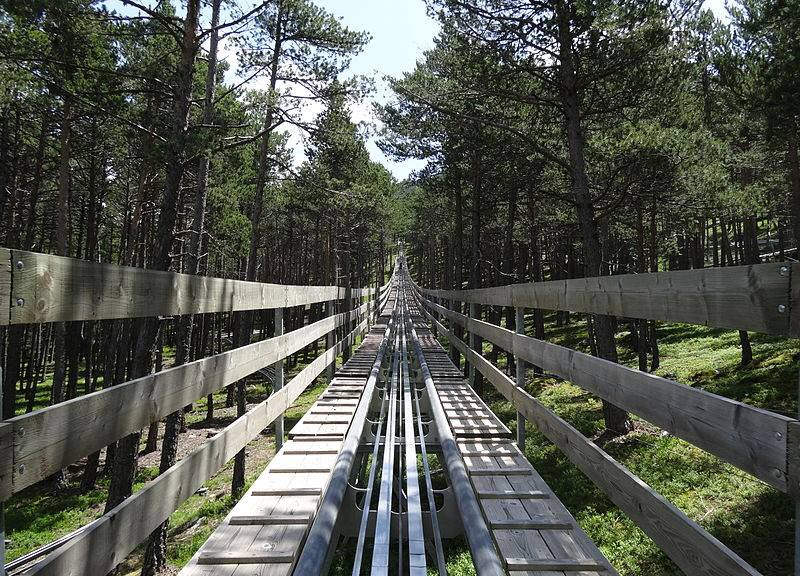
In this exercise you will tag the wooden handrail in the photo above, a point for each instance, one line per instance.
(759, 298)
(690, 546)
(752, 439)
(37, 288)
(47, 440)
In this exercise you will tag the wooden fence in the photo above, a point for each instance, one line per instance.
(759, 442)
(37, 288)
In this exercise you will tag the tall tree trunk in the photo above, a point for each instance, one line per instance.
(156, 552)
(616, 419)
(127, 448)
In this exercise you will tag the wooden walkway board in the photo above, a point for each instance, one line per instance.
(264, 533)
(534, 532)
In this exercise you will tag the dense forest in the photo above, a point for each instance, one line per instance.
(569, 139)
(562, 139)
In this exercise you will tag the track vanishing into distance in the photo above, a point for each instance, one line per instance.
(399, 456)
(396, 456)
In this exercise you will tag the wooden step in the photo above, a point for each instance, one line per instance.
(513, 495)
(530, 524)
(555, 564)
(500, 471)
(288, 491)
(277, 519)
(245, 557)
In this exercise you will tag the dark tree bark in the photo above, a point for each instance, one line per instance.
(127, 448)
(616, 419)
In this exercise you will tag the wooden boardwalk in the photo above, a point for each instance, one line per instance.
(264, 533)
(531, 530)
(534, 532)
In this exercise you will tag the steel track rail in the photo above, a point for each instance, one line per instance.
(315, 551)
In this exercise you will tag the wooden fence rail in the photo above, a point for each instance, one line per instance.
(750, 438)
(109, 539)
(38, 288)
(691, 547)
(757, 298)
(47, 440)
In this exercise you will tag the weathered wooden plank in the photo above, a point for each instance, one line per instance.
(55, 288)
(511, 494)
(288, 491)
(278, 519)
(499, 471)
(693, 549)
(736, 297)
(530, 524)
(110, 538)
(246, 557)
(749, 438)
(5, 286)
(564, 565)
(50, 439)
(6, 457)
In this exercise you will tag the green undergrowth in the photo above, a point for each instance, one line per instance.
(751, 518)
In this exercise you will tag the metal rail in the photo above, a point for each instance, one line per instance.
(484, 553)
(416, 539)
(315, 552)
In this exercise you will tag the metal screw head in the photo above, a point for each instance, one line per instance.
(20, 301)
(781, 308)
(21, 432)
(20, 265)
(778, 436)
(21, 469)
(784, 270)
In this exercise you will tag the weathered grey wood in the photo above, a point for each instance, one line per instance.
(554, 564)
(110, 538)
(529, 524)
(736, 297)
(499, 471)
(270, 519)
(508, 494)
(50, 439)
(6, 456)
(793, 459)
(749, 438)
(246, 557)
(693, 549)
(5, 286)
(57, 288)
(289, 491)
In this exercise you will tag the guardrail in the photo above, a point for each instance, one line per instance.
(37, 288)
(759, 442)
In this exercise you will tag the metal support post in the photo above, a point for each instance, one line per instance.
(278, 331)
(2, 504)
(330, 340)
(522, 370)
(473, 312)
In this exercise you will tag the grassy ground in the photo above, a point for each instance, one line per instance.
(750, 517)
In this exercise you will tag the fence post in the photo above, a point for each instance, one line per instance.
(2, 504)
(455, 356)
(348, 306)
(278, 331)
(522, 369)
(473, 312)
(796, 503)
(330, 341)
